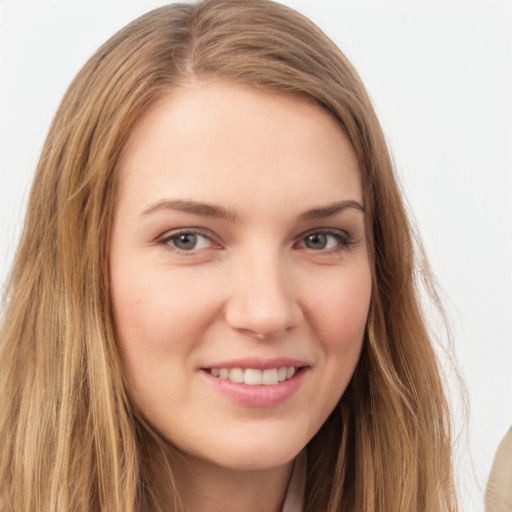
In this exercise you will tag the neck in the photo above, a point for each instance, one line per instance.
(210, 488)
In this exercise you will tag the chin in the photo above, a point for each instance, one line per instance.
(254, 454)
(244, 451)
(256, 461)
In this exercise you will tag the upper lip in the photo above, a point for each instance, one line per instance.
(260, 364)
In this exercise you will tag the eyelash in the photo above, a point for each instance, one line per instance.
(343, 239)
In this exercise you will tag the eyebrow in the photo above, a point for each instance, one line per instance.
(194, 207)
(218, 212)
(330, 210)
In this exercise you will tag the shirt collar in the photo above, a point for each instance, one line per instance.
(294, 500)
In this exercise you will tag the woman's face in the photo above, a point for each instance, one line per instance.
(239, 271)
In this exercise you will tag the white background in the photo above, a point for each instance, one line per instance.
(440, 74)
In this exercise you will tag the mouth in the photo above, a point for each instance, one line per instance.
(255, 376)
(260, 383)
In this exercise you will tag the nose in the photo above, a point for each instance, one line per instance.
(262, 298)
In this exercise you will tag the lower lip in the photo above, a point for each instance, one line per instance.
(259, 395)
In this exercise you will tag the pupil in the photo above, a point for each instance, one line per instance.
(185, 242)
(316, 241)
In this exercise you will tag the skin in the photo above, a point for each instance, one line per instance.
(253, 285)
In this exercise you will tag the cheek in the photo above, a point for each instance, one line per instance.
(341, 311)
(157, 325)
(152, 308)
(161, 317)
(145, 311)
(338, 316)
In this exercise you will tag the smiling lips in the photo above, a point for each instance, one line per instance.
(257, 387)
(254, 382)
(255, 376)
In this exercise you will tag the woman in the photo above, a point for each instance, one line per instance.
(214, 304)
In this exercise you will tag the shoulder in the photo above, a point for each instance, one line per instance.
(498, 493)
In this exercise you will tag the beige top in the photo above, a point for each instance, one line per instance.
(294, 500)
(498, 493)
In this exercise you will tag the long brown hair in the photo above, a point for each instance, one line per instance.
(71, 440)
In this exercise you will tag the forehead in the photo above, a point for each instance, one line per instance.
(224, 141)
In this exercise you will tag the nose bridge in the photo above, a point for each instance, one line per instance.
(262, 299)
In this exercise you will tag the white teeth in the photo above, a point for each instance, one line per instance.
(254, 376)
(270, 377)
(290, 372)
(236, 375)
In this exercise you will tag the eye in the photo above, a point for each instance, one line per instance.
(331, 240)
(319, 241)
(186, 241)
